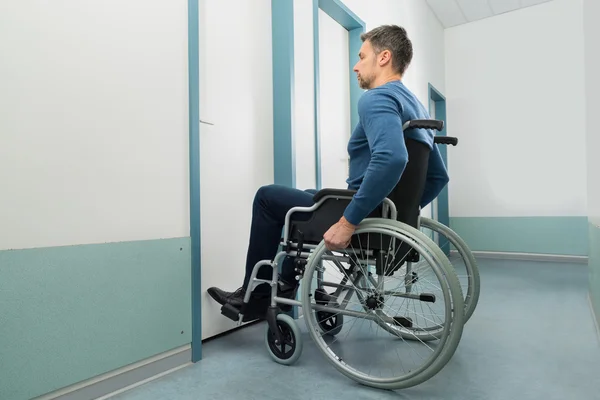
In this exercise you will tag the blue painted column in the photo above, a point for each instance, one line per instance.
(284, 154)
(282, 21)
(443, 209)
(317, 103)
(194, 160)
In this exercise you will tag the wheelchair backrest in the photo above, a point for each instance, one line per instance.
(408, 192)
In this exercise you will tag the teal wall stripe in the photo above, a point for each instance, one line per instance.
(537, 235)
(594, 266)
(194, 160)
(284, 158)
(70, 313)
(443, 208)
(355, 26)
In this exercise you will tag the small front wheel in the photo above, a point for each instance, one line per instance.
(289, 350)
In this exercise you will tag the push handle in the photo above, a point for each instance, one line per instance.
(445, 140)
(438, 125)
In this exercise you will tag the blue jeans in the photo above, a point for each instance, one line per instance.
(271, 204)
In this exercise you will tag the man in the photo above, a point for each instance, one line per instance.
(377, 153)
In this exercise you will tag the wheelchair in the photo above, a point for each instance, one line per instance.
(356, 290)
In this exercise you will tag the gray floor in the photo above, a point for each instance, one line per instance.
(532, 337)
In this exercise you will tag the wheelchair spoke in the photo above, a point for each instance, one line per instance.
(387, 286)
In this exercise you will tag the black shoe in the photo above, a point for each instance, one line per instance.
(236, 299)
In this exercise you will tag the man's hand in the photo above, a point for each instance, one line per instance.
(339, 235)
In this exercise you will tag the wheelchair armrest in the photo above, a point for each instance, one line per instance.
(438, 125)
(445, 140)
(333, 192)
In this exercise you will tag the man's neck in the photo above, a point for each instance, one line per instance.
(383, 79)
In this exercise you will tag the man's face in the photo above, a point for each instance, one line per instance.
(366, 66)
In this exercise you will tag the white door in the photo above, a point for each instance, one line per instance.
(334, 97)
(236, 153)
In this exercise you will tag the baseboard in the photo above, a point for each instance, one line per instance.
(566, 235)
(122, 379)
(596, 322)
(528, 256)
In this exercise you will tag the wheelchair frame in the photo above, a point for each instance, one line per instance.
(388, 209)
(303, 251)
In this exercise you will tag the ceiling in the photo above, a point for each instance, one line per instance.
(457, 12)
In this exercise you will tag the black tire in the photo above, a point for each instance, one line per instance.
(292, 348)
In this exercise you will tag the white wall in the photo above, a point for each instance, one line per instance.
(425, 31)
(592, 96)
(94, 127)
(516, 101)
(236, 153)
(93, 122)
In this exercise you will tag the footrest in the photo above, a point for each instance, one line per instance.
(230, 312)
(404, 322)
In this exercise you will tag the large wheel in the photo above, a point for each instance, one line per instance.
(357, 268)
(414, 272)
(470, 280)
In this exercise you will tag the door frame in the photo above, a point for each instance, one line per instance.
(441, 203)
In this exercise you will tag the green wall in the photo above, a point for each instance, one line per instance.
(539, 235)
(594, 264)
(71, 313)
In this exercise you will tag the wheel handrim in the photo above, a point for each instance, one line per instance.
(471, 288)
(313, 324)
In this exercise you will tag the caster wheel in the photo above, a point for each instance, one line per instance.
(330, 323)
(289, 351)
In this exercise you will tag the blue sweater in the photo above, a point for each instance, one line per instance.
(378, 153)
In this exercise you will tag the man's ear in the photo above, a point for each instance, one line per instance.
(385, 57)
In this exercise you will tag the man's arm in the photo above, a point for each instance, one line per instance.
(378, 113)
(437, 177)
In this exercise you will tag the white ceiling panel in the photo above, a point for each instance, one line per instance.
(475, 9)
(528, 3)
(457, 12)
(448, 12)
(503, 6)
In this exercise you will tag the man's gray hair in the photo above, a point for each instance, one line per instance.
(394, 39)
